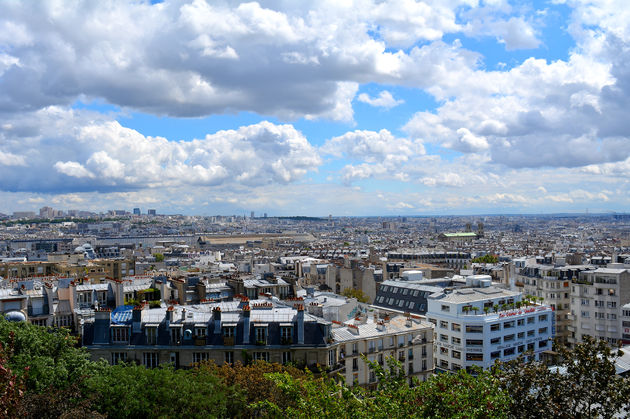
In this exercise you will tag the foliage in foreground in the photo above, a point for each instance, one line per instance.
(43, 374)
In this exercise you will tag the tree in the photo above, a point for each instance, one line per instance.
(159, 257)
(486, 259)
(582, 384)
(50, 355)
(462, 395)
(130, 391)
(355, 293)
(11, 385)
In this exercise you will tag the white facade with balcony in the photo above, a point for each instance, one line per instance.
(479, 324)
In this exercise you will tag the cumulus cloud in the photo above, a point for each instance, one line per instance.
(193, 58)
(79, 153)
(383, 100)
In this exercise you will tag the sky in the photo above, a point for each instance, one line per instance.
(337, 107)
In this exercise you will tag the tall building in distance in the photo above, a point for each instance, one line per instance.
(136, 211)
(151, 212)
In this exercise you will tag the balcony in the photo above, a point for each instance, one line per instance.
(228, 341)
(200, 341)
(286, 341)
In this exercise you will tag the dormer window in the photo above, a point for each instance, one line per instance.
(120, 334)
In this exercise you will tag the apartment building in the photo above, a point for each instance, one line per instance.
(353, 274)
(479, 324)
(597, 298)
(409, 339)
(410, 295)
(241, 330)
(553, 285)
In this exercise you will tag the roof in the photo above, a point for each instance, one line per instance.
(468, 295)
(470, 234)
(369, 329)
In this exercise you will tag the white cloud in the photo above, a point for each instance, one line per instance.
(78, 153)
(383, 100)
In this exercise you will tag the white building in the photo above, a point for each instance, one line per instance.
(480, 323)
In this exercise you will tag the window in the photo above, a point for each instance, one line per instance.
(508, 351)
(355, 364)
(446, 308)
(542, 344)
(432, 321)
(415, 293)
(261, 336)
(531, 320)
(456, 327)
(474, 329)
(443, 364)
(355, 348)
(151, 333)
(474, 342)
(405, 291)
(495, 354)
(261, 356)
(120, 334)
(542, 318)
(200, 356)
(456, 341)
(521, 349)
(495, 341)
(229, 357)
(286, 357)
(118, 357)
(611, 316)
(508, 325)
(520, 322)
(520, 335)
(456, 354)
(286, 335)
(150, 359)
(531, 346)
(443, 351)
(176, 333)
(443, 324)
(584, 302)
(611, 304)
(474, 357)
(444, 338)
(585, 314)
(542, 330)
(508, 338)
(494, 327)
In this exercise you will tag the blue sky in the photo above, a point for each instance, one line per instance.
(363, 107)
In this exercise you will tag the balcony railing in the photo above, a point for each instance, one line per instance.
(228, 340)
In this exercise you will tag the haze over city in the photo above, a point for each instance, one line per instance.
(315, 108)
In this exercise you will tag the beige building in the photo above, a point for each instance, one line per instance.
(407, 339)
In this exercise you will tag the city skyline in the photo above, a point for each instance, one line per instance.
(347, 108)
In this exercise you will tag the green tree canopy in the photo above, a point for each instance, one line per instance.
(355, 293)
(486, 259)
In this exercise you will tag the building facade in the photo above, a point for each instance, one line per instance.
(480, 324)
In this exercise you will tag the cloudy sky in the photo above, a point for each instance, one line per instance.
(314, 108)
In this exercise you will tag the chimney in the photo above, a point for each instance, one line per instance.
(300, 324)
(136, 319)
(216, 315)
(102, 323)
(246, 314)
(169, 315)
